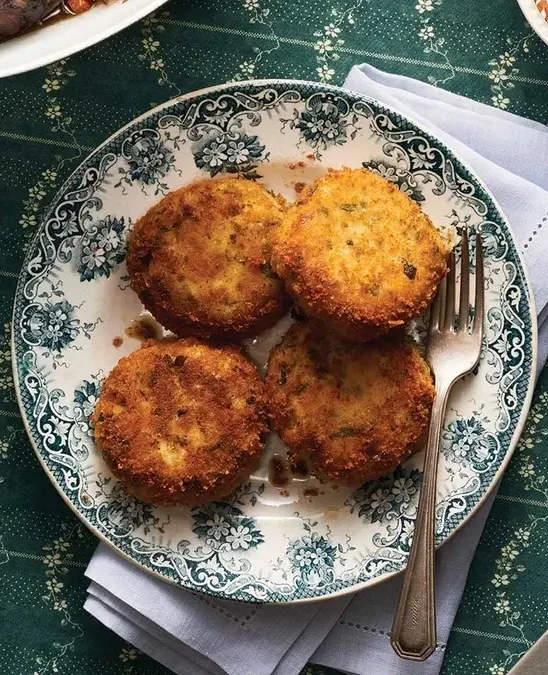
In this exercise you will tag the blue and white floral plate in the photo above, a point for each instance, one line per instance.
(73, 300)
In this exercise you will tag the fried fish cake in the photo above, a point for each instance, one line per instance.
(199, 260)
(353, 412)
(181, 421)
(359, 254)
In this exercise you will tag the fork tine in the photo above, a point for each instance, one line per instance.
(464, 300)
(479, 303)
(449, 318)
(437, 308)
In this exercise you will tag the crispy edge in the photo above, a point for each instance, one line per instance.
(142, 242)
(339, 461)
(152, 484)
(309, 288)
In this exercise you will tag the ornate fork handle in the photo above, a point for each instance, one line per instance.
(414, 630)
(453, 350)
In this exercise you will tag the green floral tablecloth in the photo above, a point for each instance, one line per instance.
(51, 118)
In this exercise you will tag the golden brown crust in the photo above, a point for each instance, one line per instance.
(359, 254)
(199, 259)
(353, 412)
(181, 421)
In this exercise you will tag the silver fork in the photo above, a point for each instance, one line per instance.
(452, 351)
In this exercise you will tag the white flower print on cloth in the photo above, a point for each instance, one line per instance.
(427, 32)
(504, 68)
(426, 5)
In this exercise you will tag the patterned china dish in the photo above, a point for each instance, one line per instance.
(73, 306)
(536, 13)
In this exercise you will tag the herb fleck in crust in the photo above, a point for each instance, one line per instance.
(181, 421)
(359, 254)
(353, 412)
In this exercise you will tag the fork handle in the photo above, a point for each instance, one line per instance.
(413, 633)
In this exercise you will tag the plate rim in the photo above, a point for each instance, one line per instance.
(40, 61)
(534, 19)
(364, 585)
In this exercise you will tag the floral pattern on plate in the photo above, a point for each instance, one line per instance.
(260, 544)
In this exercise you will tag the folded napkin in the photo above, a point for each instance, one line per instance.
(194, 635)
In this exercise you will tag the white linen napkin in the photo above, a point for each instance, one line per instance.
(192, 635)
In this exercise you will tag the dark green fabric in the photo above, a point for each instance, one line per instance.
(51, 118)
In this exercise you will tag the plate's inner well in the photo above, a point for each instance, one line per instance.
(282, 536)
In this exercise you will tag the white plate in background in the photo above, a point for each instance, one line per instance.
(537, 16)
(62, 38)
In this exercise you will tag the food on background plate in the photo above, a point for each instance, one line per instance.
(199, 259)
(353, 412)
(181, 421)
(17, 16)
(359, 254)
